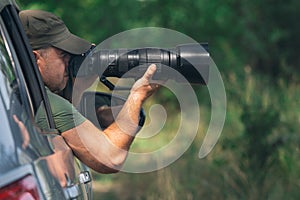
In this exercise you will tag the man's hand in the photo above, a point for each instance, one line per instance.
(143, 88)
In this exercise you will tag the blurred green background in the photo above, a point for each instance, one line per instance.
(255, 45)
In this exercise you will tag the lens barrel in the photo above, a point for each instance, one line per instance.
(191, 61)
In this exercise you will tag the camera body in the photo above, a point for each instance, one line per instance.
(190, 62)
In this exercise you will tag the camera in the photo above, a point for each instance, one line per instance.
(190, 62)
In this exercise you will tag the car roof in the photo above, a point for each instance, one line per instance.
(4, 3)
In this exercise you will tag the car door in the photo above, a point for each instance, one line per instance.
(58, 173)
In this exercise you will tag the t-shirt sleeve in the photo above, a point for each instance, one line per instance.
(65, 115)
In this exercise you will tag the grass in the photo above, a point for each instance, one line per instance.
(227, 172)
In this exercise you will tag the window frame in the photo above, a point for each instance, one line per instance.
(24, 64)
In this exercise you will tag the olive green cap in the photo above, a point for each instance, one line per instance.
(44, 29)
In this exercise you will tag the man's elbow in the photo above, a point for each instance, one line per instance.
(117, 161)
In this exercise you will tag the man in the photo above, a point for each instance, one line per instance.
(104, 151)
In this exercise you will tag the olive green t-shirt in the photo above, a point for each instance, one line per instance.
(64, 114)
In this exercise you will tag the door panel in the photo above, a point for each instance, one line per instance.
(56, 169)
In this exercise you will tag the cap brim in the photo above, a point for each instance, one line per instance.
(74, 45)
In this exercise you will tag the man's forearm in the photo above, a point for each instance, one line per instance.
(123, 130)
(125, 127)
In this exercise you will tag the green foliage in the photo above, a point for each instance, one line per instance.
(255, 45)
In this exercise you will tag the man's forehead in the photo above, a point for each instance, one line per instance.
(59, 51)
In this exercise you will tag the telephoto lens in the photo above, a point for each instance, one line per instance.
(190, 62)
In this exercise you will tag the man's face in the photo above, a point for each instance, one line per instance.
(53, 68)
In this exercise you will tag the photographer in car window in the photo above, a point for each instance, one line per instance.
(53, 45)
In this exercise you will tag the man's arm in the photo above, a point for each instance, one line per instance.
(105, 151)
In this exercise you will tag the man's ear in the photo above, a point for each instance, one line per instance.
(39, 59)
